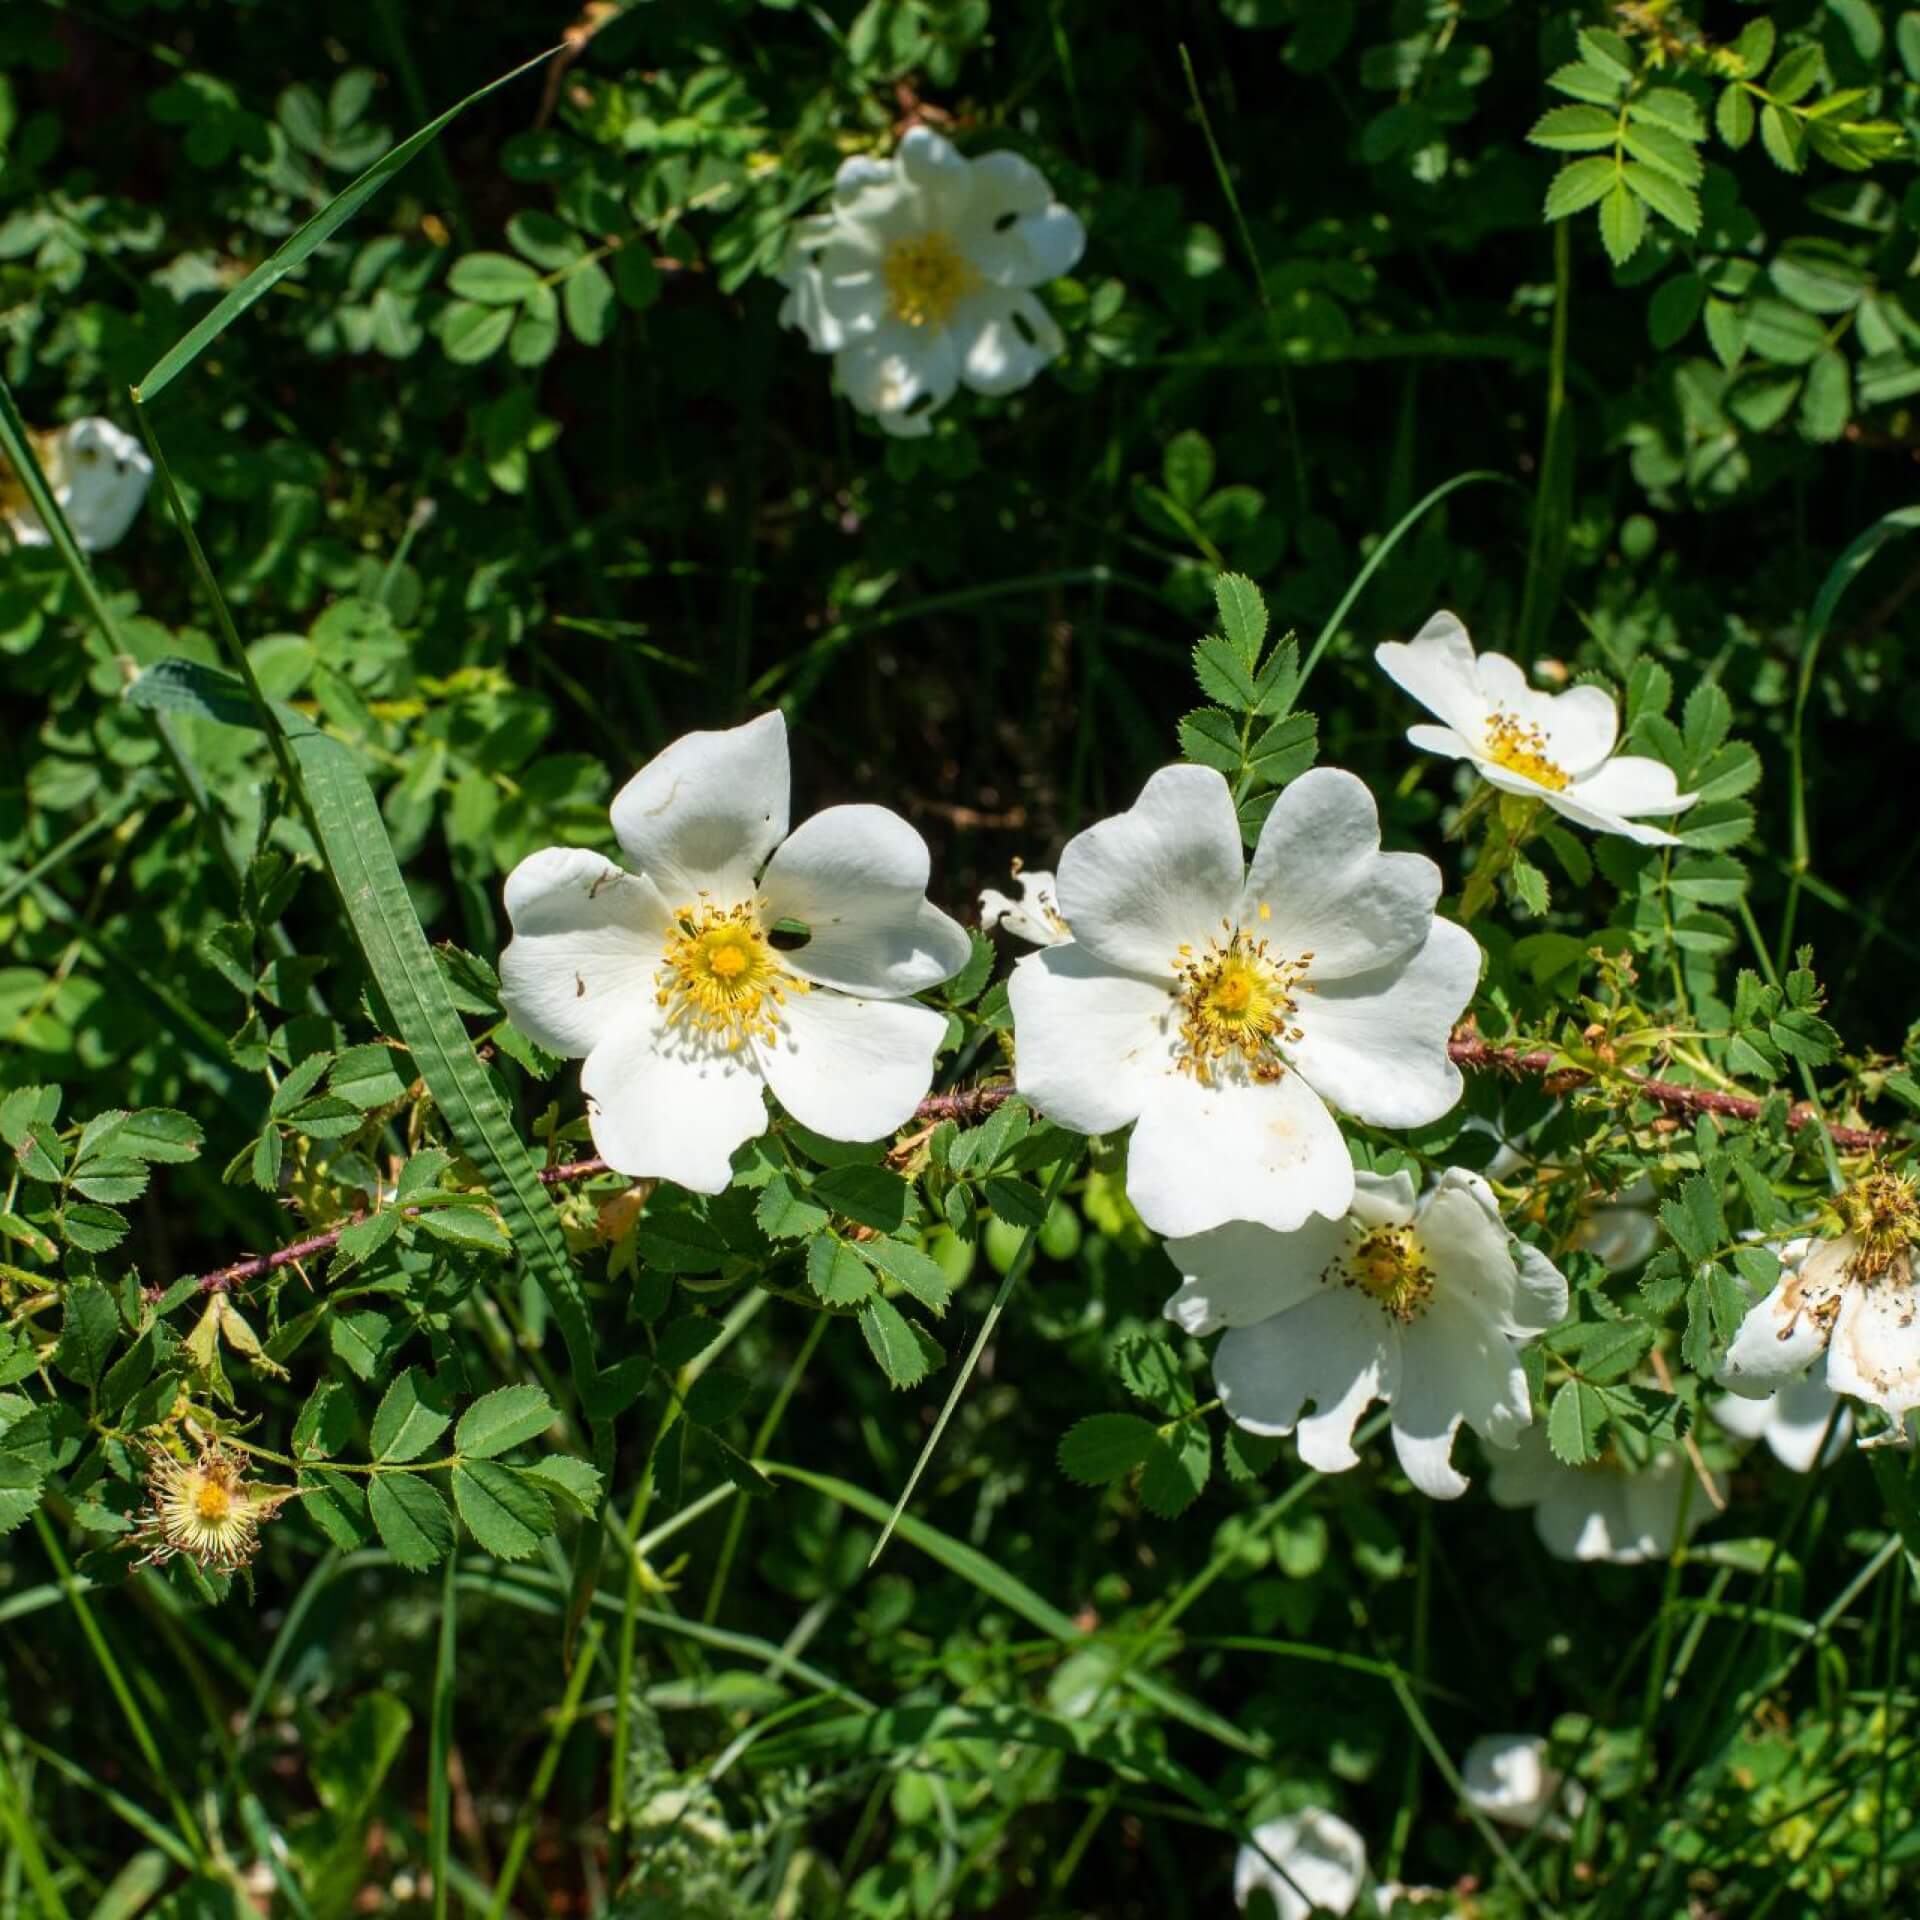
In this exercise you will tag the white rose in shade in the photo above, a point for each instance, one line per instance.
(921, 277)
(1845, 1309)
(1306, 1863)
(99, 477)
(1604, 1511)
(1556, 747)
(1793, 1421)
(668, 979)
(1421, 1303)
(1507, 1776)
(1034, 917)
(1226, 1008)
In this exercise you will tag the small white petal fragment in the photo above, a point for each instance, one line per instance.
(1310, 1862)
(99, 478)
(1509, 1778)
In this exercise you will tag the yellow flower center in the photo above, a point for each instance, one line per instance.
(927, 276)
(720, 976)
(1521, 747)
(1388, 1265)
(1237, 1000)
(1881, 1211)
(212, 1501)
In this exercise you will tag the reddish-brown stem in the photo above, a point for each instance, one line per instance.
(970, 1105)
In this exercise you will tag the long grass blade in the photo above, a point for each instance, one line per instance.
(296, 251)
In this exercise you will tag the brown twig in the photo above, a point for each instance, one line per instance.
(968, 1106)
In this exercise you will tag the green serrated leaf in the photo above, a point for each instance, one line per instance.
(1176, 1470)
(504, 1509)
(836, 1273)
(1578, 185)
(411, 1519)
(1243, 615)
(1623, 223)
(412, 1415)
(907, 1267)
(1210, 737)
(1576, 1423)
(1103, 1446)
(1580, 129)
(506, 1417)
(901, 1349)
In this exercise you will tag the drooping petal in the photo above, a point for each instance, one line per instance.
(1139, 885)
(704, 814)
(1875, 1350)
(901, 376)
(587, 939)
(1594, 819)
(1319, 884)
(1780, 1338)
(1238, 1274)
(1003, 339)
(1234, 1149)
(851, 1069)
(1093, 1043)
(1375, 1044)
(856, 877)
(663, 1106)
(1437, 667)
(1335, 1352)
(1455, 1364)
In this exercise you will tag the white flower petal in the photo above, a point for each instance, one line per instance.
(1139, 885)
(1375, 1044)
(1474, 1258)
(1443, 741)
(1310, 1862)
(587, 939)
(1581, 726)
(1665, 1503)
(1092, 1043)
(938, 171)
(1335, 1351)
(1003, 339)
(901, 376)
(101, 476)
(1802, 1412)
(1319, 883)
(1236, 1149)
(662, 1106)
(848, 1068)
(1628, 785)
(857, 877)
(1438, 668)
(1875, 1350)
(1238, 1274)
(1592, 818)
(1455, 1364)
(1507, 1776)
(1778, 1341)
(1035, 917)
(1382, 1199)
(704, 814)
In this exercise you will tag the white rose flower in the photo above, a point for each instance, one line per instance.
(99, 477)
(1507, 1777)
(1422, 1304)
(1225, 1009)
(920, 278)
(1850, 1299)
(1792, 1421)
(1604, 1511)
(1035, 917)
(670, 982)
(1556, 747)
(1309, 1862)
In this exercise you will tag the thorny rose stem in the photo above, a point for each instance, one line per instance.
(969, 1105)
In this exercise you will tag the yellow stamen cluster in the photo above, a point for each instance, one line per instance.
(1521, 747)
(1388, 1265)
(204, 1508)
(927, 276)
(1881, 1213)
(1237, 999)
(721, 978)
